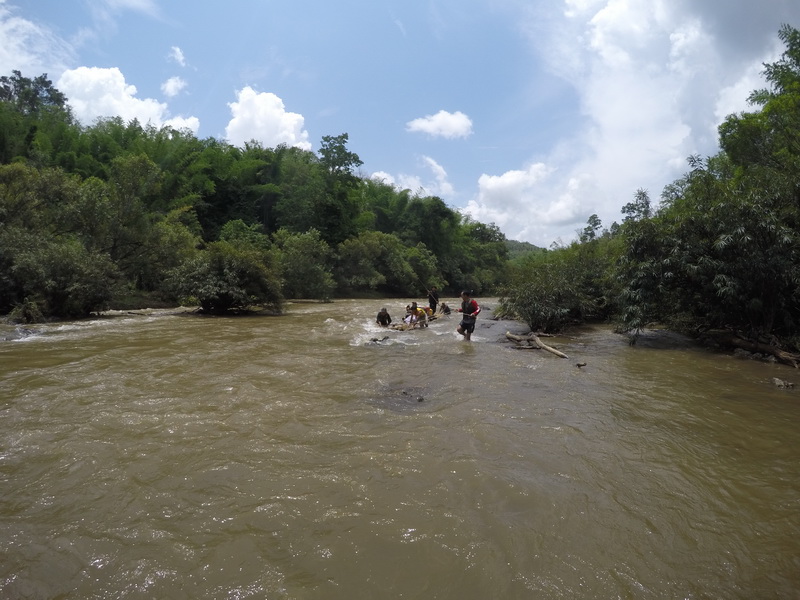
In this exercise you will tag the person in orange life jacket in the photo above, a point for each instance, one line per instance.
(470, 309)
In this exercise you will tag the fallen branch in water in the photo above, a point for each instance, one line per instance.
(727, 338)
(532, 342)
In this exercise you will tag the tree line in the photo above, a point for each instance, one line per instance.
(91, 215)
(718, 253)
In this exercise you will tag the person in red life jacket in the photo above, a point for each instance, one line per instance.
(470, 309)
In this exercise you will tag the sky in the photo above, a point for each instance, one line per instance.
(530, 114)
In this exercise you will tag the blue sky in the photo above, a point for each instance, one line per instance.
(532, 114)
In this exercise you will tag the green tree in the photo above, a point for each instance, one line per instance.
(401, 278)
(386, 204)
(67, 279)
(638, 209)
(133, 181)
(175, 239)
(238, 232)
(358, 263)
(477, 259)
(30, 96)
(546, 292)
(226, 278)
(336, 210)
(589, 233)
(769, 139)
(183, 163)
(336, 158)
(730, 253)
(430, 221)
(306, 261)
(302, 190)
(380, 261)
(425, 267)
(31, 204)
(640, 272)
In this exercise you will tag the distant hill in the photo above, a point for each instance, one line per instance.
(517, 249)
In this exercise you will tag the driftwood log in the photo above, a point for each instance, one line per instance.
(531, 341)
(732, 340)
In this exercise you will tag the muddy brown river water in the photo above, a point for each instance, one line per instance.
(166, 455)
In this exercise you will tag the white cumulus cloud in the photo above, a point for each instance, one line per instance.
(95, 92)
(402, 181)
(263, 117)
(653, 81)
(173, 86)
(517, 201)
(190, 123)
(442, 124)
(176, 54)
(383, 177)
(439, 185)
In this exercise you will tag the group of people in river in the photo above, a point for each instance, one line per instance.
(420, 316)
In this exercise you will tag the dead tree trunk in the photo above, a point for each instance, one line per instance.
(730, 339)
(532, 342)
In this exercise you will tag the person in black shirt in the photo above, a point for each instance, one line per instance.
(433, 298)
(383, 319)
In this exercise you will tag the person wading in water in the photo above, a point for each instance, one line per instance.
(383, 319)
(470, 309)
(433, 298)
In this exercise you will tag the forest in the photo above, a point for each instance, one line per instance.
(92, 216)
(102, 215)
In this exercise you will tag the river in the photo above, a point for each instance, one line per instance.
(160, 454)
